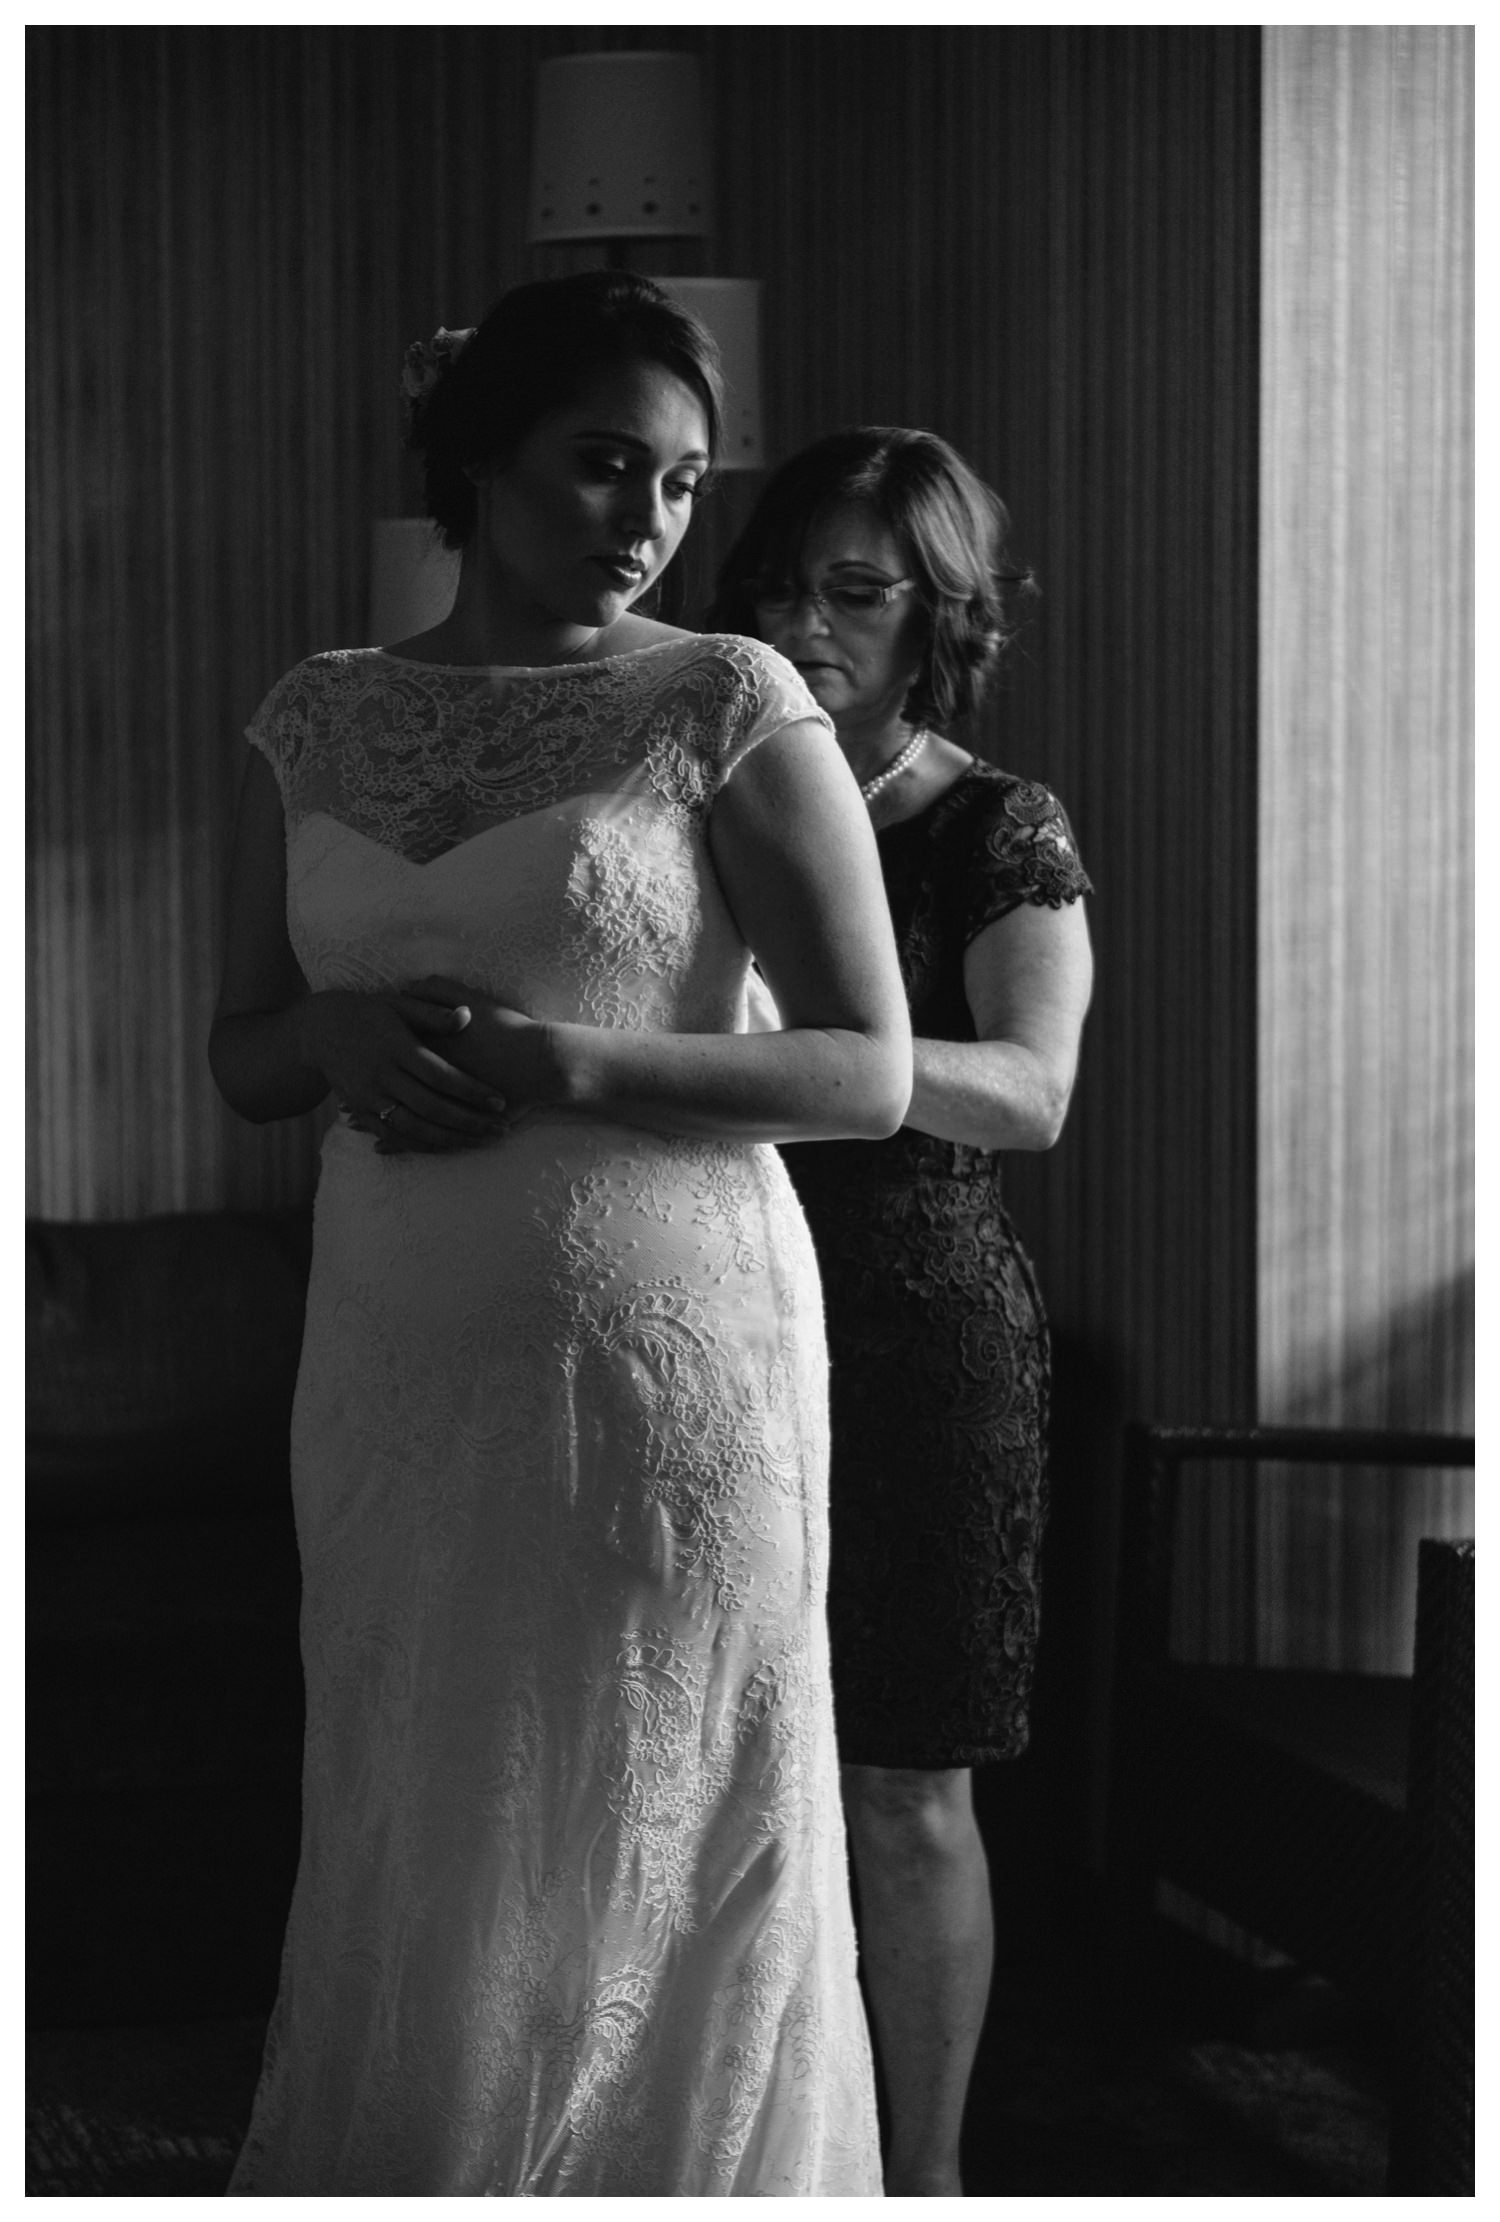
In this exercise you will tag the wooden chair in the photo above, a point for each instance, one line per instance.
(1329, 1814)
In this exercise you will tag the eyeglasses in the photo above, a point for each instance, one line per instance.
(864, 601)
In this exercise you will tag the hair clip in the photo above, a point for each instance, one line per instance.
(427, 359)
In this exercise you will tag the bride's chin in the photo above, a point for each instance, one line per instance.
(598, 610)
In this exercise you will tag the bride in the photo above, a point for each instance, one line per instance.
(571, 1915)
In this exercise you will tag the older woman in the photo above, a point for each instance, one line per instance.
(875, 562)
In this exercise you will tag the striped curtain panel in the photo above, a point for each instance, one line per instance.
(1366, 874)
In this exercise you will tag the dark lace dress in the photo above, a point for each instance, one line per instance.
(937, 1338)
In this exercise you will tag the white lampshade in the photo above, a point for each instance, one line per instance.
(413, 578)
(619, 149)
(730, 307)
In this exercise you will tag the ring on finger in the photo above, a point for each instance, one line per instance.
(388, 1113)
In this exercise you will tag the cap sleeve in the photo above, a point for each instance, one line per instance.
(279, 728)
(768, 695)
(1024, 852)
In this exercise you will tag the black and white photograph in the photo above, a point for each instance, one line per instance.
(750, 1184)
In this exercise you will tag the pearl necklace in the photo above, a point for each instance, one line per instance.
(870, 788)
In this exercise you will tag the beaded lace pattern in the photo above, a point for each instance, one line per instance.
(937, 1338)
(572, 1912)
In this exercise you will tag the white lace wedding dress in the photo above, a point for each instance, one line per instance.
(572, 1912)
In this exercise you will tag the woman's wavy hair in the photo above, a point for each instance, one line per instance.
(955, 532)
(537, 350)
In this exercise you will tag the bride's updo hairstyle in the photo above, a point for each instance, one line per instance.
(472, 398)
(954, 531)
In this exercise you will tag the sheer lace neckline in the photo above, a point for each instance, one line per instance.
(549, 671)
(421, 757)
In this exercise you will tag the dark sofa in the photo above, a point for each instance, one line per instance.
(164, 1691)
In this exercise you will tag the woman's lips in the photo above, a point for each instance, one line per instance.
(620, 569)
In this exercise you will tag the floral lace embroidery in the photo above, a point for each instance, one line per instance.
(421, 757)
(572, 1916)
(633, 926)
(1023, 853)
(937, 1339)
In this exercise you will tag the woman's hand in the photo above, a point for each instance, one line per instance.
(497, 1047)
(377, 1054)
(277, 1048)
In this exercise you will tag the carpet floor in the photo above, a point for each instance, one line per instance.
(1073, 2096)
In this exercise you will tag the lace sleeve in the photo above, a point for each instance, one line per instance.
(770, 694)
(279, 727)
(1023, 852)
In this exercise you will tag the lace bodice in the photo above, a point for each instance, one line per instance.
(540, 833)
(422, 757)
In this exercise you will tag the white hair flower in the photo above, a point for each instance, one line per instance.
(427, 359)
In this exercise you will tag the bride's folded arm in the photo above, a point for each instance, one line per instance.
(791, 843)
